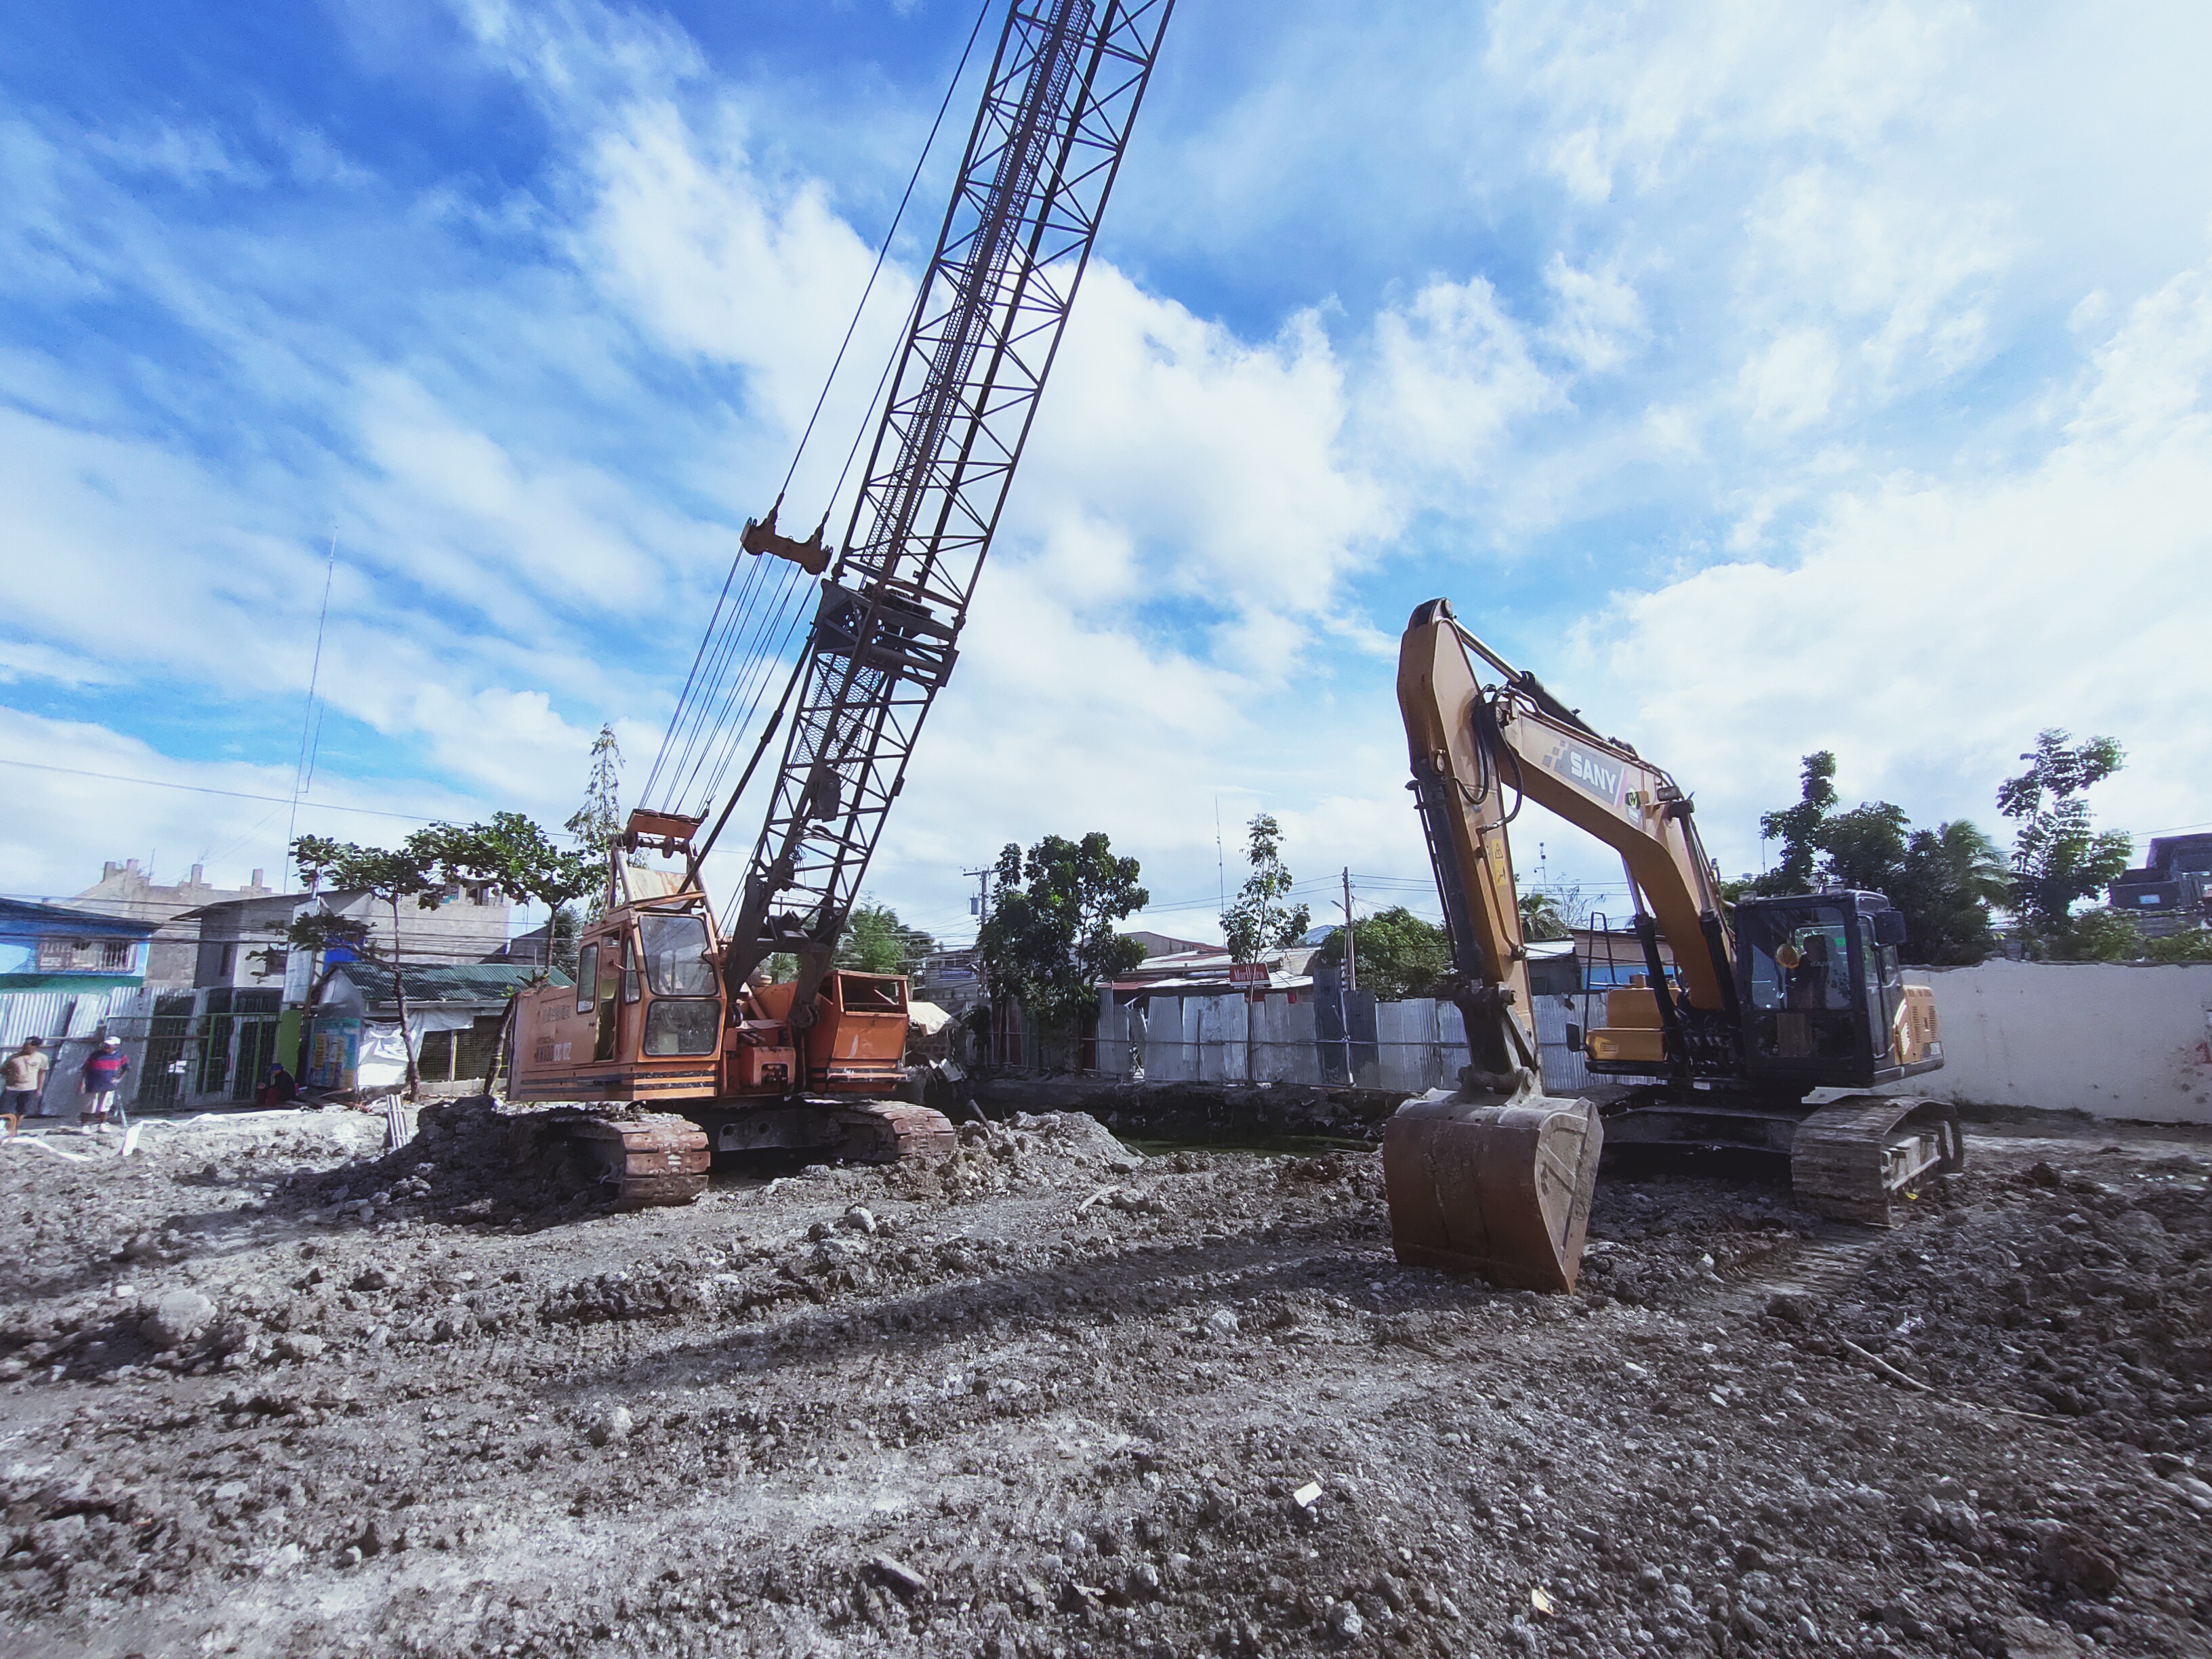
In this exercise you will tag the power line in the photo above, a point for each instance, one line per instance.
(204, 789)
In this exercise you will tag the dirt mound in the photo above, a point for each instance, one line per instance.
(472, 1160)
(2085, 1299)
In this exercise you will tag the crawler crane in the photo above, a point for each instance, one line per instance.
(1769, 1036)
(668, 1010)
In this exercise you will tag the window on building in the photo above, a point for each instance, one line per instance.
(115, 955)
(228, 964)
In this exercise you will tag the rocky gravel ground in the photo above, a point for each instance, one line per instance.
(267, 1389)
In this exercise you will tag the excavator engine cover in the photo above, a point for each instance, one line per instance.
(1492, 1183)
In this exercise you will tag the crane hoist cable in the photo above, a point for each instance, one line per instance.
(699, 741)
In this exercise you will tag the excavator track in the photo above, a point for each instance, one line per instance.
(652, 1159)
(1860, 1159)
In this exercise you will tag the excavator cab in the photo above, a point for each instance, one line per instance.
(1824, 1002)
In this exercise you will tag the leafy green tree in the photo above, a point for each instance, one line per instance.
(388, 875)
(1050, 939)
(1944, 879)
(2095, 936)
(2190, 944)
(1541, 918)
(1797, 828)
(510, 855)
(1399, 955)
(598, 821)
(875, 941)
(2057, 856)
(1863, 848)
(1263, 917)
(1949, 878)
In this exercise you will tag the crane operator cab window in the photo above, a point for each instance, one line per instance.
(686, 1014)
(1802, 1003)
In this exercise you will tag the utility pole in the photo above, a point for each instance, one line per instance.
(1351, 950)
(980, 906)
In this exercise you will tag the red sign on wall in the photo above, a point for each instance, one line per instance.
(1247, 973)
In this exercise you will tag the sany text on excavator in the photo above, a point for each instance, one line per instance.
(671, 1008)
(1766, 1017)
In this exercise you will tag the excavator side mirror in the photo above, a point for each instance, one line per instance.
(1889, 927)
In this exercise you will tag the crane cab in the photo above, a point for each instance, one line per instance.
(643, 1020)
(1824, 1002)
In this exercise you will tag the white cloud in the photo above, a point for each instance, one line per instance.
(1792, 381)
(1454, 371)
(1597, 319)
(1932, 626)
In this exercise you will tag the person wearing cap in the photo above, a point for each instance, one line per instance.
(22, 1077)
(102, 1072)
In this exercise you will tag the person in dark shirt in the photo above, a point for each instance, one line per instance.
(280, 1090)
(103, 1075)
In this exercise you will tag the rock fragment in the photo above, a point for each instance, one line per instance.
(611, 1426)
(894, 1576)
(2076, 1564)
(176, 1318)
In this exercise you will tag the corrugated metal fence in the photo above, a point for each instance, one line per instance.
(1323, 1038)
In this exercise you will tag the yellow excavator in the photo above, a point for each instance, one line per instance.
(1767, 1031)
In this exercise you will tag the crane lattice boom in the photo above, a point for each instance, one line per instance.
(1063, 93)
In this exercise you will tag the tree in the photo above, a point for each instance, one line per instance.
(388, 875)
(1950, 877)
(1864, 847)
(1400, 956)
(598, 823)
(1050, 939)
(1797, 827)
(2057, 857)
(1263, 918)
(510, 855)
(875, 941)
(1944, 879)
(1541, 918)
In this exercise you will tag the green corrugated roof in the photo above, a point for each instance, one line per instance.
(459, 982)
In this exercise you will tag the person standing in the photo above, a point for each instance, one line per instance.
(22, 1077)
(103, 1074)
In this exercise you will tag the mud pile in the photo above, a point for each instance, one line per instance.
(1050, 1397)
(2068, 1295)
(471, 1161)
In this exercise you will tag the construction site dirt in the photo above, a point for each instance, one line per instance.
(270, 1390)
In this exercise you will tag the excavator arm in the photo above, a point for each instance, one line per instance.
(1477, 753)
(1497, 1176)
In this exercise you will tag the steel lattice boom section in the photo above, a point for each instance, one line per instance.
(1063, 93)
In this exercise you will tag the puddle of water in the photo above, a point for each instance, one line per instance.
(1264, 1146)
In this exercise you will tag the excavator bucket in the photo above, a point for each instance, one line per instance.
(1492, 1183)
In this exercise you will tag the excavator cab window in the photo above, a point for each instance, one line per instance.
(610, 999)
(1802, 1003)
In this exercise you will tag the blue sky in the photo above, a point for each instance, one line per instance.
(1766, 379)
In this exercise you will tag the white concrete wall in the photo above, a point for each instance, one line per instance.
(2116, 1040)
